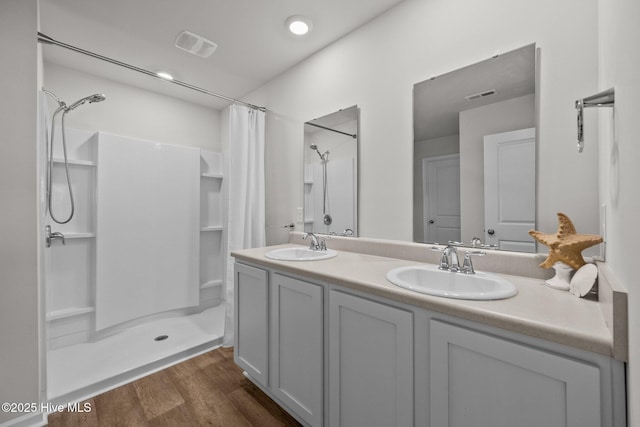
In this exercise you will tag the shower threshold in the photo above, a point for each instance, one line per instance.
(80, 371)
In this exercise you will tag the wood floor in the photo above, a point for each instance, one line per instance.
(208, 390)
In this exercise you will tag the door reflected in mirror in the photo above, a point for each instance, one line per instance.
(475, 153)
(331, 173)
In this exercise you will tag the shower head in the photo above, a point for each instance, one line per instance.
(98, 97)
(315, 148)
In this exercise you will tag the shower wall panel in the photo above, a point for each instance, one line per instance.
(148, 228)
(341, 196)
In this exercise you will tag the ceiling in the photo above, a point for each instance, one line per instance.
(437, 102)
(253, 44)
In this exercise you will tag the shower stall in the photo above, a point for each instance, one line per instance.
(133, 268)
(133, 260)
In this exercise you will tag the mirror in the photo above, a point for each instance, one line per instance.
(475, 153)
(331, 173)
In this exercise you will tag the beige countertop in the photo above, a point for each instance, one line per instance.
(536, 310)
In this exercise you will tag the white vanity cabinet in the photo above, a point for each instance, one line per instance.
(479, 380)
(251, 320)
(280, 339)
(297, 346)
(334, 356)
(370, 363)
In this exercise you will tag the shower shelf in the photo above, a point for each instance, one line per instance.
(211, 175)
(211, 284)
(76, 162)
(68, 312)
(212, 228)
(73, 235)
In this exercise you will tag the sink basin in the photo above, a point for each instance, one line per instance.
(428, 279)
(300, 254)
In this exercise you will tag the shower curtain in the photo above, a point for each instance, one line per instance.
(246, 217)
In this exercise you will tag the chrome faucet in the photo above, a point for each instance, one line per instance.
(316, 244)
(49, 236)
(477, 243)
(347, 232)
(449, 260)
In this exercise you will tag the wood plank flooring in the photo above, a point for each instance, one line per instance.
(208, 390)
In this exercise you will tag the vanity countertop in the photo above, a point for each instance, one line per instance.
(537, 310)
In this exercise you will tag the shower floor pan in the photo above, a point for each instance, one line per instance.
(80, 371)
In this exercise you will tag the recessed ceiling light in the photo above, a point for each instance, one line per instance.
(298, 25)
(164, 75)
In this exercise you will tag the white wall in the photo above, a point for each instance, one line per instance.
(133, 112)
(19, 365)
(376, 68)
(513, 114)
(620, 174)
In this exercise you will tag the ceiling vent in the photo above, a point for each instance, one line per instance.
(195, 44)
(480, 95)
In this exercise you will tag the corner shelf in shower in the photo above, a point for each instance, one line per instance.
(211, 175)
(68, 312)
(74, 235)
(211, 284)
(212, 228)
(76, 162)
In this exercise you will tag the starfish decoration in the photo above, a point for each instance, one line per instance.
(565, 245)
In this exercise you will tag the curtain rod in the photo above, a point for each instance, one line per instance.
(352, 135)
(43, 38)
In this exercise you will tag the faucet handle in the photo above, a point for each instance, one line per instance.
(444, 260)
(50, 236)
(467, 265)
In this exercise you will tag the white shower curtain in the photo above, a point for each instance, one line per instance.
(246, 217)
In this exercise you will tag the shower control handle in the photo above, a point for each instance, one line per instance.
(50, 236)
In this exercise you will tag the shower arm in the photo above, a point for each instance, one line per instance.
(605, 98)
(43, 38)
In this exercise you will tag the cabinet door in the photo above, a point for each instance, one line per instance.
(479, 380)
(297, 374)
(251, 318)
(370, 363)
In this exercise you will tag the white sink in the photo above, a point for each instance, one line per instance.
(428, 279)
(300, 254)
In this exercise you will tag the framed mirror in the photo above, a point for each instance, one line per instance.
(475, 153)
(331, 173)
